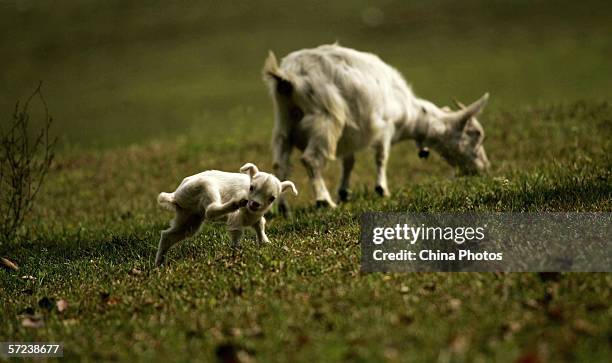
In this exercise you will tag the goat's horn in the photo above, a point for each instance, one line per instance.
(458, 103)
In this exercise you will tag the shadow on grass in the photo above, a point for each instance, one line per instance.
(586, 188)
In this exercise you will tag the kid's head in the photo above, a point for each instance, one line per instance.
(264, 188)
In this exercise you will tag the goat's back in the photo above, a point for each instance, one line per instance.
(362, 83)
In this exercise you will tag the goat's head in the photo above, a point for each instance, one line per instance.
(460, 136)
(264, 188)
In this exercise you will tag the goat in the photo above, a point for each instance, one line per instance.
(332, 101)
(239, 199)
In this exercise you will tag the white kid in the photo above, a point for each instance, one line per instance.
(238, 199)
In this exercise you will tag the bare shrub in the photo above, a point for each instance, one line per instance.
(25, 158)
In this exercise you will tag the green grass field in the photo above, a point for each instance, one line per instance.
(144, 95)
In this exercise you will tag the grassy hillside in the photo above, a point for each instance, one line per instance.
(147, 94)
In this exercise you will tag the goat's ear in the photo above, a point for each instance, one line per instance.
(460, 118)
(250, 169)
(288, 185)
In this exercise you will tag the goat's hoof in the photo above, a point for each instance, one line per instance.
(343, 194)
(322, 204)
(381, 191)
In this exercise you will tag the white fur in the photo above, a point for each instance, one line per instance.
(332, 101)
(238, 199)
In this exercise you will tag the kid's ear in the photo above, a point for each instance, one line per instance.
(288, 185)
(250, 169)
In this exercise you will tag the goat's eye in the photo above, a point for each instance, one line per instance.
(272, 199)
(251, 188)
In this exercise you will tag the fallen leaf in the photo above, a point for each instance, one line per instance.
(530, 357)
(254, 331)
(245, 357)
(511, 327)
(9, 264)
(459, 343)
(61, 305)
(113, 301)
(531, 303)
(454, 304)
(391, 354)
(32, 323)
(584, 327)
(135, 272)
(107, 299)
(302, 340)
(556, 313)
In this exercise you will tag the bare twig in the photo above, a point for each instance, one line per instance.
(24, 163)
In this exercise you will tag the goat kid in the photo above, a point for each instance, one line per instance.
(238, 199)
(332, 101)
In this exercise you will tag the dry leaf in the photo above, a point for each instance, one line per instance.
(62, 305)
(391, 354)
(113, 301)
(556, 313)
(135, 272)
(511, 327)
(32, 323)
(584, 327)
(454, 304)
(529, 357)
(459, 343)
(9, 264)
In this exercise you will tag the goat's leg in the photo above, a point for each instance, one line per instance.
(323, 135)
(216, 209)
(184, 225)
(314, 163)
(347, 167)
(235, 236)
(260, 231)
(381, 156)
(282, 169)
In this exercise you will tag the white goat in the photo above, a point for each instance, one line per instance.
(239, 199)
(332, 101)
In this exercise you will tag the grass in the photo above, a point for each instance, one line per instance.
(143, 106)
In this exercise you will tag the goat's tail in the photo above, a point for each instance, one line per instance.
(166, 200)
(275, 76)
